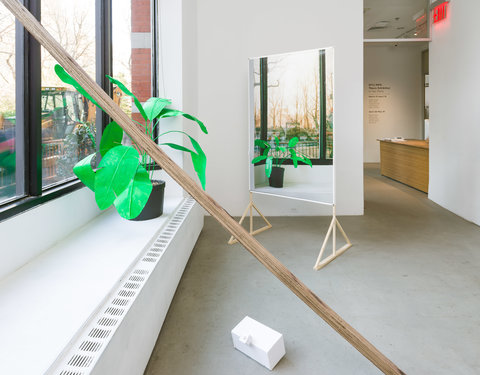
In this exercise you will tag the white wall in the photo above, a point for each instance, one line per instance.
(455, 111)
(170, 76)
(230, 32)
(399, 68)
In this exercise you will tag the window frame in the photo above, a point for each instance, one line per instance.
(28, 136)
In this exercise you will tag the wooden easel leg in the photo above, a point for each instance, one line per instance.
(343, 233)
(324, 245)
(335, 253)
(232, 240)
(251, 206)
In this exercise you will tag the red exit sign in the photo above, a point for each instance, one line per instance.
(440, 12)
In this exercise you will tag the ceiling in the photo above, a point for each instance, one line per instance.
(387, 19)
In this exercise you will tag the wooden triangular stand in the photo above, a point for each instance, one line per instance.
(335, 253)
(250, 208)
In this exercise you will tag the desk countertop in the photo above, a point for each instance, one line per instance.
(409, 142)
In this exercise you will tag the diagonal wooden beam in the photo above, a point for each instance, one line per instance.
(189, 185)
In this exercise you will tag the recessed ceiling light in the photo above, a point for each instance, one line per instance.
(382, 24)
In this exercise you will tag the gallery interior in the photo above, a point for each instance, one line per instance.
(145, 145)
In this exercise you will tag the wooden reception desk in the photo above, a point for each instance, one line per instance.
(405, 161)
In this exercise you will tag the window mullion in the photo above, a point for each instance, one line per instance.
(30, 102)
(103, 52)
(323, 106)
(263, 98)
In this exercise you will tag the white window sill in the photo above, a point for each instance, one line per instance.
(46, 303)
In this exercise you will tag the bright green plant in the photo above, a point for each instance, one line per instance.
(123, 177)
(275, 156)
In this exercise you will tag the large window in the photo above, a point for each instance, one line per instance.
(46, 126)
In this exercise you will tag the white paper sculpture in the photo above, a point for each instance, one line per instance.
(259, 342)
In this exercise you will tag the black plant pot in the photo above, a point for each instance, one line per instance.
(154, 206)
(276, 177)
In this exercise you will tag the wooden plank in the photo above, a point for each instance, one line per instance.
(187, 183)
(406, 163)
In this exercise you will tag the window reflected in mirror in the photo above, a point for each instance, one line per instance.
(293, 97)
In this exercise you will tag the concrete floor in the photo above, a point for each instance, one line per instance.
(410, 285)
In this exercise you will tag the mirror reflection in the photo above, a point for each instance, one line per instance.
(292, 121)
(396, 19)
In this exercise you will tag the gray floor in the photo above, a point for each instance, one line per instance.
(410, 284)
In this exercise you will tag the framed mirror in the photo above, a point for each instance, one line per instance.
(291, 125)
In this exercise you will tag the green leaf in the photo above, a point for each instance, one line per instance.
(282, 149)
(307, 161)
(154, 106)
(199, 164)
(293, 142)
(176, 147)
(262, 144)
(133, 199)
(112, 136)
(84, 171)
(199, 159)
(116, 170)
(258, 158)
(68, 79)
(268, 166)
(128, 93)
(166, 112)
(294, 157)
(277, 141)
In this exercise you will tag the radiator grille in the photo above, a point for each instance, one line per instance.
(86, 350)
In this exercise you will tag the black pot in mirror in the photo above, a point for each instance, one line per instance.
(276, 177)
